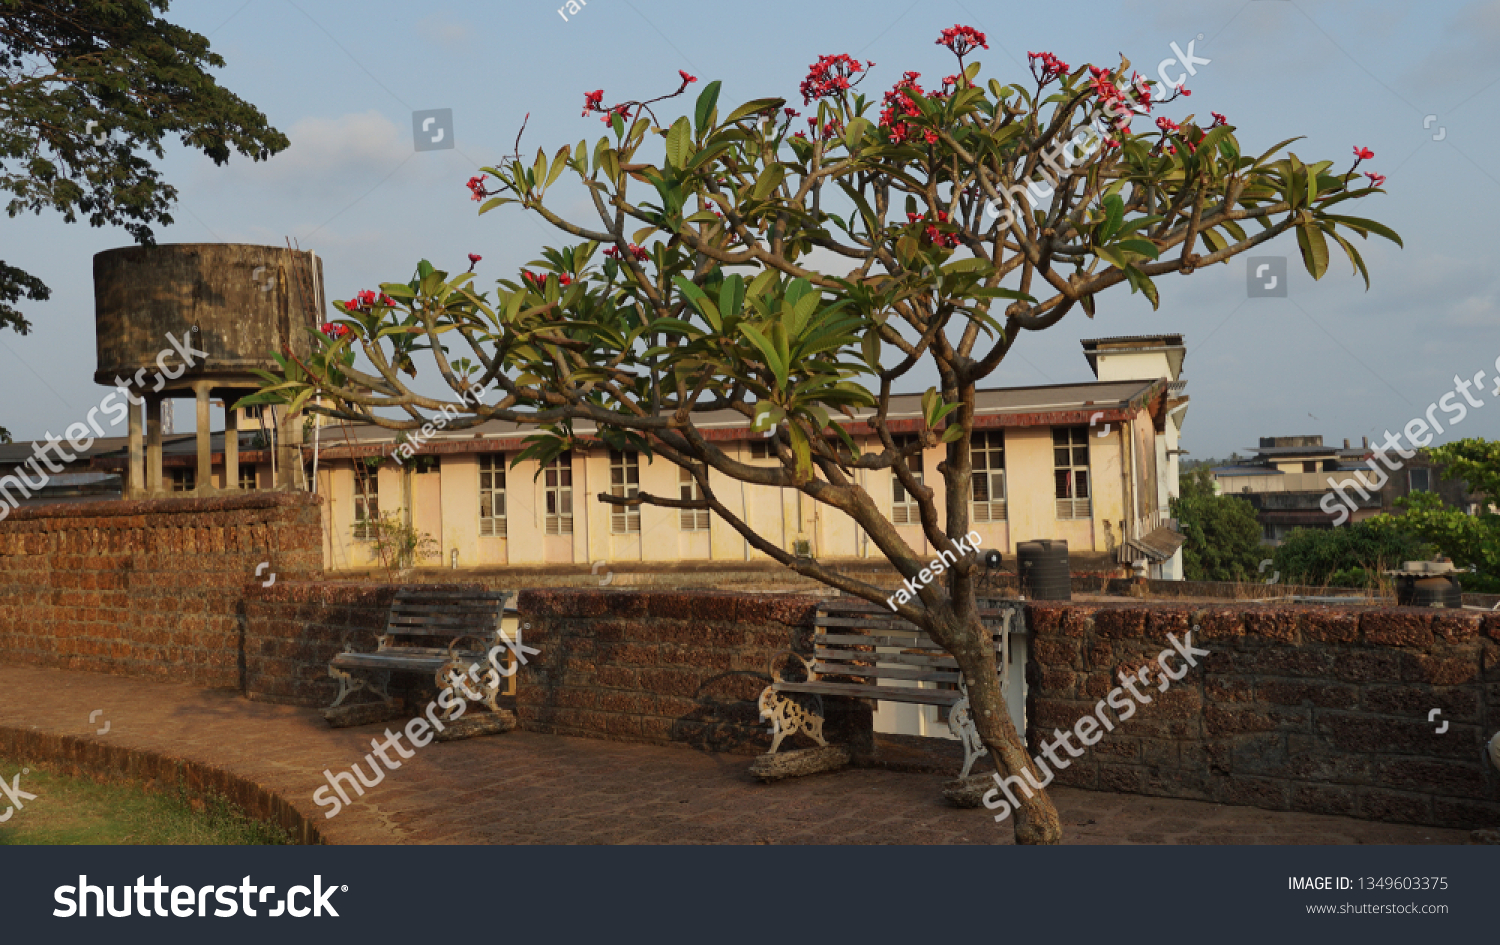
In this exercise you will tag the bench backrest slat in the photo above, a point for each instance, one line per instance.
(423, 613)
(910, 653)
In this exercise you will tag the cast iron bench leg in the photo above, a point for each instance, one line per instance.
(961, 724)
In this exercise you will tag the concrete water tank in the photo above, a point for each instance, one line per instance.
(245, 302)
(158, 307)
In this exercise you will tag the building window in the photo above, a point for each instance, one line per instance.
(1419, 480)
(1070, 471)
(247, 478)
(427, 464)
(904, 508)
(366, 502)
(557, 478)
(184, 478)
(762, 449)
(492, 495)
(988, 478)
(624, 481)
(1310, 466)
(692, 520)
(254, 413)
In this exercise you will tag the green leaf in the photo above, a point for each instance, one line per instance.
(700, 301)
(854, 134)
(769, 180)
(801, 448)
(1359, 223)
(768, 351)
(1354, 258)
(494, 202)
(731, 296)
(1261, 159)
(750, 108)
(955, 432)
(558, 163)
(1114, 215)
(1141, 247)
(870, 347)
(679, 142)
(1314, 249)
(708, 100)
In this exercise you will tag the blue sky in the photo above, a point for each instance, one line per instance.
(342, 78)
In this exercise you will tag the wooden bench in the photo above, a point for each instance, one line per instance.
(857, 644)
(423, 634)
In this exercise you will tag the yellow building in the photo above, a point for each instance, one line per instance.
(1075, 462)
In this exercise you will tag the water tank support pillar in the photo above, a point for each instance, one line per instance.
(231, 442)
(205, 477)
(153, 443)
(135, 485)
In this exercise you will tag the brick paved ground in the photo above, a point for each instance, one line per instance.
(526, 788)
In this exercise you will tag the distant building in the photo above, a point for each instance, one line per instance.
(1288, 476)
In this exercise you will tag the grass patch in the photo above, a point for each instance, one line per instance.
(71, 810)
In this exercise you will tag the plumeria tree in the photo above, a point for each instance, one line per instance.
(795, 270)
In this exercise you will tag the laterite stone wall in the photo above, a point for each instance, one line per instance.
(147, 588)
(1319, 709)
(671, 667)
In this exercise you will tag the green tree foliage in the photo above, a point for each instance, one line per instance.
(1223, 535)
(933, 252)
(1469, 540)
(1348, 556)
(84, 86)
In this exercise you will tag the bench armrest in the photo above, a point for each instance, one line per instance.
(812, 674)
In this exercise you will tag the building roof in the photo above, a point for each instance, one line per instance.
(1045, 405)
(13, 454)
(1113, 339)
(1353, 452)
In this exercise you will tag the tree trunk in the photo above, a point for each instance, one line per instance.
(1036, 820)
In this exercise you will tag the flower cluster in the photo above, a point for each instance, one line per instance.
(613, 252)
(1364, 154)
(476, 187)
(334, 331)
(830, 76)
(899, 105)
(686, 79)
(1117, 101)
(539, 280)
(934, 235)
(592, 102)
(1046, 66)
(960, 40)
(364, 300)
(1218, 120)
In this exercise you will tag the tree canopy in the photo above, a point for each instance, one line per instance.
(1469, 540)
(1221, 532)
(797, 277)
(85, 86)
